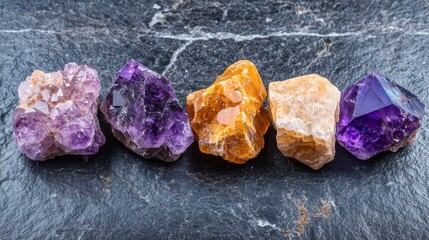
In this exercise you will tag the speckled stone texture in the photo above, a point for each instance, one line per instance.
(117, 194)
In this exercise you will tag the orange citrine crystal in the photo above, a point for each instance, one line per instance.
(228, 118)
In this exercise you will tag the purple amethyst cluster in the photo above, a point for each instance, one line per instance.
(57, 114)
(377, 115)
(145, 115)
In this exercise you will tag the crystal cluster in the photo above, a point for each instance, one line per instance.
(145, 115)
(377, 115)
(304, 111)
(57, 114)
(228, 118)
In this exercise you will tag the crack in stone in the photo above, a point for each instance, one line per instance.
(28, 30)
(204, 36)
(195, 36)
(174, 56)
(417, 33)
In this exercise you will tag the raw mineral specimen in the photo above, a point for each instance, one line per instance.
(57, 114)
(304, 111)
(377, 115)
(228, 118)
(145, 115)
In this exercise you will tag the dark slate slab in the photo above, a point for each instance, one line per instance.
(118, 195)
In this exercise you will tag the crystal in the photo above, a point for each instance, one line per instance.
(145, 114)
(377, 115)
(228, 118)
(57, 113)
(304, 111)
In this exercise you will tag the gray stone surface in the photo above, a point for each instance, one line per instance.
(118, 195)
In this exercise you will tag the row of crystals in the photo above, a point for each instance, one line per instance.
(57, 115)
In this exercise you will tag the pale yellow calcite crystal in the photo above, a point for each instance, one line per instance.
(304, 110)
(227, 118)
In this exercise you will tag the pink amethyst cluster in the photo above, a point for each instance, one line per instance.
(145, 115)
(57, 113)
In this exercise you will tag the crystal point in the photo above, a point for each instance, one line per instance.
(377, 115)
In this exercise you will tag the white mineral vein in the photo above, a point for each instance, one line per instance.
(175, 55)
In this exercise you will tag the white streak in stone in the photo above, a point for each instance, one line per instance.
(27, 30)
(195, 36)
(264, 223)
(158, 17)
(417, 33)
(175, 55)
(84, 30)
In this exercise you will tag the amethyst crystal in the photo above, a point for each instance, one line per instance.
(145, 115)
(57, 114)
(377, 115)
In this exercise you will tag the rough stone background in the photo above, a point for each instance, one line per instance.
(119, 195)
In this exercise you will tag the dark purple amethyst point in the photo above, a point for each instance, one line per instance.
(377, 115)
(145, 115)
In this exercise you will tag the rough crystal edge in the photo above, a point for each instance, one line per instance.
(124, 137)
(329, 151)
(57, 148)
(394, 147)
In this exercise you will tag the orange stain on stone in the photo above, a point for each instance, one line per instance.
(228, 118)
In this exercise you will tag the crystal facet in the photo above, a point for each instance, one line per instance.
(377, 115)
(145, 115)
(304, 111)
(228, 118)
(57, 114)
